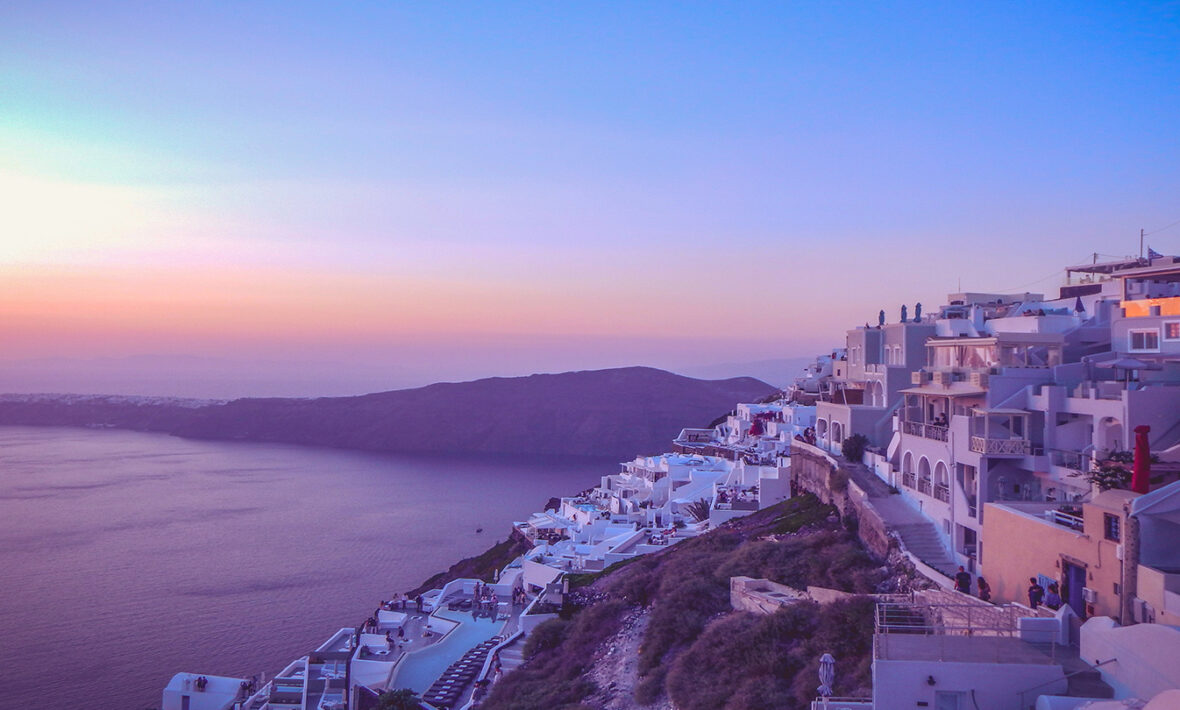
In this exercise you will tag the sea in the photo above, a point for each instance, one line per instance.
(127, 557)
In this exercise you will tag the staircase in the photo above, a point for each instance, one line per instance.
(512, 656)
(922, 540)
(451, 685)
(1088, 684)
(1084, 680)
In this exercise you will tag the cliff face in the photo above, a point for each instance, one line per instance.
(619, 412)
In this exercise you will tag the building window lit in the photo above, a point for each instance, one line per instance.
(1172, 330)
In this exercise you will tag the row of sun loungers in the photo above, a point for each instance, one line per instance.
(447, 690)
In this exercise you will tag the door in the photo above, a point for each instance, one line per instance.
(1073, 582)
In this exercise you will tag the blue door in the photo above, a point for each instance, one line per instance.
(1075, 580)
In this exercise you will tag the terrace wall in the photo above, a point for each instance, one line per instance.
(829, 479)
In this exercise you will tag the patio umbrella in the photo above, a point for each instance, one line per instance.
(827, 675)
(1129, 364)
(1141, 468)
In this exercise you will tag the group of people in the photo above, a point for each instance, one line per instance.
(201, 683)
(1038, 596)
(484, 599)
(963, 584)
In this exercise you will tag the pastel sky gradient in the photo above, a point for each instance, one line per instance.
(452, 190)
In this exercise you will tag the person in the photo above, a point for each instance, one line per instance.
(1053, 599)
(418, 601)
(1035, 592)
(963, 581)
(985, 590)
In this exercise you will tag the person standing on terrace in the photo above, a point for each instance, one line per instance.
(1035, 593)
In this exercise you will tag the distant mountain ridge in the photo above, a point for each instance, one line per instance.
(617, 412)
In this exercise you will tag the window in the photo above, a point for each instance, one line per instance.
(1172, 330)
(1145, 340)
(1110, 526)
(954, 700)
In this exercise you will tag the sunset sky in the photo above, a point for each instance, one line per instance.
(441, 191)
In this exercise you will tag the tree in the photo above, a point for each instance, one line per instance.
(400, 699)
(854, 447)
(698, 510)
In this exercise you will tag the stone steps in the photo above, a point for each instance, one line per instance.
(923, 541)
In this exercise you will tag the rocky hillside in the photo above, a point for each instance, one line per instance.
(618, 412)
(658, 632)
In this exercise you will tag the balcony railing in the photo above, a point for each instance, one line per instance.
(842, 704)
(1064, 519)
(924, 486)
(1001, 447)
(1070, 459)
(926, 431)
(942, 492)
(909, 479)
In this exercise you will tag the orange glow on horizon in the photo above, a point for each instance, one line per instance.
(123, 310)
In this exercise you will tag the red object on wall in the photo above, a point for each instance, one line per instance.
(1141, 469)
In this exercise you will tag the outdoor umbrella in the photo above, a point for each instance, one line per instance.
(1129, 364)
(827, 675)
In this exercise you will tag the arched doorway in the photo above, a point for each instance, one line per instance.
(1110, 435)
(925, 483)
(942, 483)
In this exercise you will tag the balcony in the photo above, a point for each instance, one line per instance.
(1074, 460)
(926, 431)
(909, 479)
(925, 486)
(942, 492)
(1001, 447)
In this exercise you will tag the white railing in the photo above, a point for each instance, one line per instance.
(1064, 519)
(926, 431)
(842, 704)
(1069, 459)
(1009, 447)
(942, 492)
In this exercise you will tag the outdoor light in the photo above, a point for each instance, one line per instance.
(930, 680)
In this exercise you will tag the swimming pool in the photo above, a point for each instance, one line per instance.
(418, 670)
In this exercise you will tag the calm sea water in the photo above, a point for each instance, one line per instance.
(128, 557)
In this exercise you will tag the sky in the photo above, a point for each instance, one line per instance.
(398, 193)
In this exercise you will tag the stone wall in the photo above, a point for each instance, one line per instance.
(814, 471)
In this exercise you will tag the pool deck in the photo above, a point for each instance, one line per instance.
(420, 665)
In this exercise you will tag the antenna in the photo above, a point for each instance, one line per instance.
(1140, 243)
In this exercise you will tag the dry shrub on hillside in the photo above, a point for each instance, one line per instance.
(561, 651)
(748, 662)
